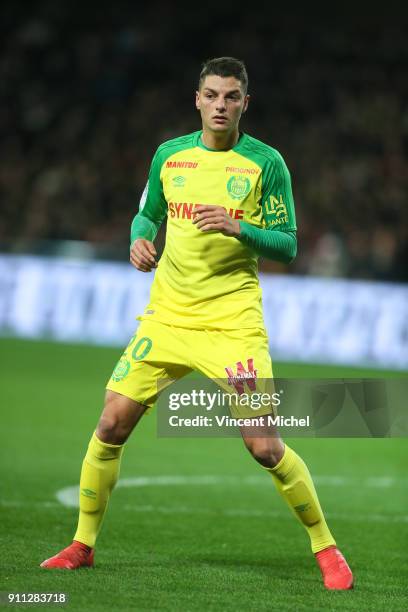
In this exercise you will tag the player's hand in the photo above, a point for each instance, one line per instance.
(209, 218)
(142, 255)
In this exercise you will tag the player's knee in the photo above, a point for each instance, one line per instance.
(113, 427)
(119, 417)
(268, 452)
(111, 430)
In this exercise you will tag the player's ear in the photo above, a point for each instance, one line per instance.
(246, 102)
(197, 101)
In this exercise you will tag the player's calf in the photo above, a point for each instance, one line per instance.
(100, 471)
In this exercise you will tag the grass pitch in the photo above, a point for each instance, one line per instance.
(218, 537)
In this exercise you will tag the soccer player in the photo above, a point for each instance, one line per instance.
(228, 199)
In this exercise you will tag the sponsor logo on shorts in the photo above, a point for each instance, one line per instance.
(181, 164)
(238, 187)
(121, 370)
(242, 376)
(186, 210)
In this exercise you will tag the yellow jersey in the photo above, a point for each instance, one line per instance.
(208, 280)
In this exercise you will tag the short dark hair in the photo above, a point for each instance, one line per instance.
(225, 67)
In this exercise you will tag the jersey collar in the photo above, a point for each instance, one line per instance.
(237, 147)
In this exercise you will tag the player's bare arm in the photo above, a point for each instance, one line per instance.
(210, 217)
(142, 255)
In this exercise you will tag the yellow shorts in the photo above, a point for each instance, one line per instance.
(238, 359)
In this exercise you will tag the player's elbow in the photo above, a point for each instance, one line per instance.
(292, 255)
(291, 251)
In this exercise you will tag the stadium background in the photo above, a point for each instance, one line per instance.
(86, 97)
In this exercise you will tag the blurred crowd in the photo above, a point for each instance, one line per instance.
(87, 96)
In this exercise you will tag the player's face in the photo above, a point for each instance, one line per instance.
(221, 103)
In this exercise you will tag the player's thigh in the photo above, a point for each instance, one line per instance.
(154, 357)
(241, 362)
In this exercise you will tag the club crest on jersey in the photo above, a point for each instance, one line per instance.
(238, 187)
(242, 376)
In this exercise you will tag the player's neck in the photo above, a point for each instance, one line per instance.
(219, 142)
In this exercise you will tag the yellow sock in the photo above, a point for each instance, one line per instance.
(294, 483)
(100, 471)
